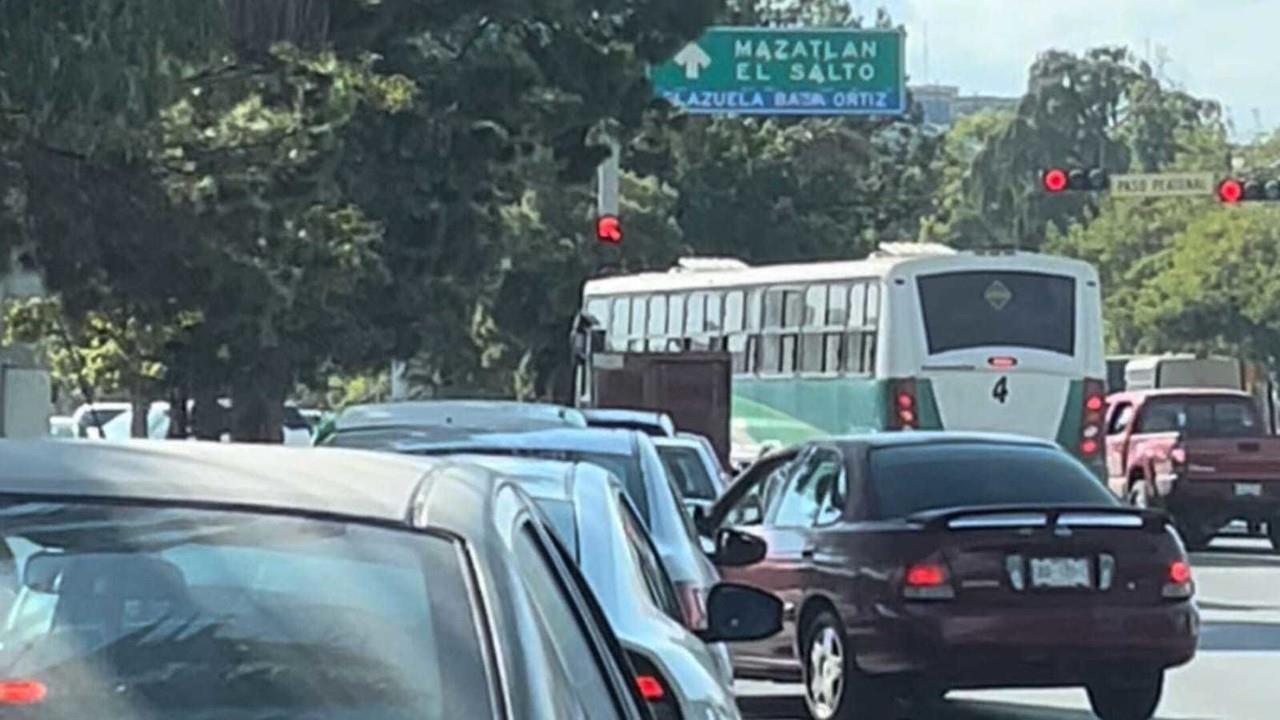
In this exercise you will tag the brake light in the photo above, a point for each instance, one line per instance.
(1095, 407)
(653, 688)
(927, 581)
(1003, 362)
(1179, 584)
(926, 576)
(22, 692)
(650, 688)
(902, 414)
(694, 605)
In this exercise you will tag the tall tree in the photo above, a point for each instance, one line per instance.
(1100, 109)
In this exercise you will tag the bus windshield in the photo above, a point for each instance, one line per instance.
(1015, 309)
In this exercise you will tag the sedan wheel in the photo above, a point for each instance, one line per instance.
(834, 689)
(825, 688)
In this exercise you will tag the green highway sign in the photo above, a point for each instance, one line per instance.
(785, 71)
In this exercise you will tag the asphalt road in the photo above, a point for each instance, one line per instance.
(1235, 676)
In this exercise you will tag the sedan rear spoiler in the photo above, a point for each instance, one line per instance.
(1027, 516)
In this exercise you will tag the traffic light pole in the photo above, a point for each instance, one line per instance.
(607, 180)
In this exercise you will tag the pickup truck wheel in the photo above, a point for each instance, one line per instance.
(1132, 698)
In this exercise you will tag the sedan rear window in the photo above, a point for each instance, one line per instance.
(685, 466)
(915, 478)
(175, 613)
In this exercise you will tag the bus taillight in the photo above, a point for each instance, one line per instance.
(903, 414)
(1095, 408)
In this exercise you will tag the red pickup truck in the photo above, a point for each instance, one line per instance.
(1203, 455)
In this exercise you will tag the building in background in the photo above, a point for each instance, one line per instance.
(943, 105)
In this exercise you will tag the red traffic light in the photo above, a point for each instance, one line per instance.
(609, 229)
(1230, 190)
(1055, 180)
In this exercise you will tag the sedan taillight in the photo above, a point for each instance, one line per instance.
(662, 703)
(1178, 584)
(927, 581)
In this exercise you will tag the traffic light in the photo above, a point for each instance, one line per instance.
(1057, 180)
(1234, 190)
(609, 229)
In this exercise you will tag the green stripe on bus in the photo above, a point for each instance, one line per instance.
(788, 410)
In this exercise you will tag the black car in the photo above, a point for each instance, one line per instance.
(202, 581)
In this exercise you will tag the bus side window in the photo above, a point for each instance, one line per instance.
(714, 317)
(620, 324)
(837, 305)
(734, 312)
(675, 316)
(639, 324)
(695, 315)
(657, 323)
(873, 303)
(858, 305)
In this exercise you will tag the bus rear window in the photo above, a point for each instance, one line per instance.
(1014, 309)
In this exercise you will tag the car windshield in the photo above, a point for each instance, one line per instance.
(916, 478)
(685, 466)
(151, 613)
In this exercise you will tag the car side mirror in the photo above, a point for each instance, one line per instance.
(739, 613)
(735, 548)
(42, 569)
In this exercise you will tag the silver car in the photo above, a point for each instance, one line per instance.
(676, 671)
(632, 458)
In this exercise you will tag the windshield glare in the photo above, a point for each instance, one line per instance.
(169, 613)
(917, 478)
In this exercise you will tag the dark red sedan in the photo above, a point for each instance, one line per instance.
(912, 564)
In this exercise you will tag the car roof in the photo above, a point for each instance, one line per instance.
(570, 440)
(1174, 392)
(677, 441)
(648, 417)
(549, 479)
(929, 437)
(373, 486)
(499, 414)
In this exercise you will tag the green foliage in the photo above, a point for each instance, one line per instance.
(1221, 287)
(1100, 109)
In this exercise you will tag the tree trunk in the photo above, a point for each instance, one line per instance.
(206, 416)
(179, 422)
(141, 410)
(257, 399)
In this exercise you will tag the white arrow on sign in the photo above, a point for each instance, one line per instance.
(694, 60)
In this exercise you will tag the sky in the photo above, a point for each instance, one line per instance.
(1226, 50)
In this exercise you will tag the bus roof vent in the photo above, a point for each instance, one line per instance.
(912, 249)
(708, 264)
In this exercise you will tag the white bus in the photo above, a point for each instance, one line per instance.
(914, 337)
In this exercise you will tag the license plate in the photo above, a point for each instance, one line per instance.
(1060, 573)
(1249, 489)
